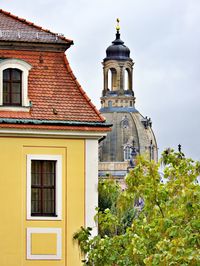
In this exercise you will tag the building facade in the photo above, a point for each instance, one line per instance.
(49, 132)
(131, 132)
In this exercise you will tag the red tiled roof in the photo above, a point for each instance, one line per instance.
(53, 90)
(52, 85)
(13, 28)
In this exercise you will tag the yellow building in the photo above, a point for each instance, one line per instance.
(49, 132)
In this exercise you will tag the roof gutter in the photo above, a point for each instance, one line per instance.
(53, 122)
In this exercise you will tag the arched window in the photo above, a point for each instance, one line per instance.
(112, 79)
(125, 122)
(127, 153)
(12, 87)
(109, 79)
(151, 150)
(109, 103)
(14, 84)
(127, 79)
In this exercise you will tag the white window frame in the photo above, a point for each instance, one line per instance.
(25, 68)
(58, 159)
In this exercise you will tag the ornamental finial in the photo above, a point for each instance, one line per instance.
(117, 27)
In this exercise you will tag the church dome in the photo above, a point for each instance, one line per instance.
(117, 51)
(131, 133)
(128, 127)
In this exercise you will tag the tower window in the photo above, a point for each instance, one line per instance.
(12, 87)
(112, 79)
(109, 103)
(127, 79)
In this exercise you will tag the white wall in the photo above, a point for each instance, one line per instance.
(91, 183)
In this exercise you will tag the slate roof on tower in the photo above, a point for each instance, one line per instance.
(56, 97)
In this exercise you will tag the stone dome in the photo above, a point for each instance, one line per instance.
(128, 126)
(130, 131)
(117, 51)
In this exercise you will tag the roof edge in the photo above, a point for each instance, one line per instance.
(81, 89)
(53, 122)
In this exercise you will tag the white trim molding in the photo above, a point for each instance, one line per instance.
(91, 183)
(38, 230)
(58, 159)
(53, 133)
(15, 108)
(24, 67)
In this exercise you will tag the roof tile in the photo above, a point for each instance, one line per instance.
(51, 82)
(52, 85)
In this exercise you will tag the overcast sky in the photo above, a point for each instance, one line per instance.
(164, 39)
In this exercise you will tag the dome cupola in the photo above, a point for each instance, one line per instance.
(117, 50)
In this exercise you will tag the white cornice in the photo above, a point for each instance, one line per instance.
(15, 108)
(51, 133)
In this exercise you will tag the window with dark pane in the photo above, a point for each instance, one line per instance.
(43, 188)
(127, 153)
(12, 87)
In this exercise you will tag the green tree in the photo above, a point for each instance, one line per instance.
(164, 230)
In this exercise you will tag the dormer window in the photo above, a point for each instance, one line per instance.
(14, 84)
(12, 87)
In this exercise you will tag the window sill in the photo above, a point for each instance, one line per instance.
(15, 108)
(44, 218)
(51, 216)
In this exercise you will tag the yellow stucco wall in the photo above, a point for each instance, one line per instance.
(13, 222)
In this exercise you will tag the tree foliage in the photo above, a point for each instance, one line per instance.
(150, 222)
